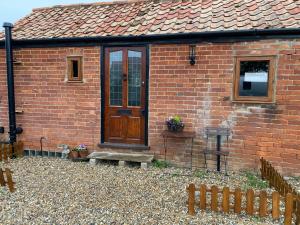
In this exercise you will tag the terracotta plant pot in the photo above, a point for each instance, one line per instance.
(83, 154)
(74, 155)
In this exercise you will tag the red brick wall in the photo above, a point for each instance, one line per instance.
(53, 108)
(201, 94)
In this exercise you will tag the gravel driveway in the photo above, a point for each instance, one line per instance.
(54, 191)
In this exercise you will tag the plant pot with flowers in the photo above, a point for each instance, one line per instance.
(175, 124)
(74, 154)
(82, 150)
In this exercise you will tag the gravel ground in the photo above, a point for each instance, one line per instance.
(54, 191)
(295, 182)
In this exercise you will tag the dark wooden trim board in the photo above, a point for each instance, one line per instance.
(178, 38)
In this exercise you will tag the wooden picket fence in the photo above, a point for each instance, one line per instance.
(8, 180)
(6, 150)
(276, 180)
(267, 204)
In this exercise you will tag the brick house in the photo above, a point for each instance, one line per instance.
(110, 74)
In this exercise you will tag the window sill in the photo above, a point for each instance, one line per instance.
(252, 102)
(75, 81)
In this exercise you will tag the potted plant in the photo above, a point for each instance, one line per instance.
(82, 150)
(74, 154)
(175, 124)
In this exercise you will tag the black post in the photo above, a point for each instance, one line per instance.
(10, 82)
(218, 150)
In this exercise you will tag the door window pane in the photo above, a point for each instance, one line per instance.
(115, 73)
(134, 78)
(254, 76)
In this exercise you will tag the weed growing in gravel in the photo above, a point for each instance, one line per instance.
(160, 164)
(296, 178)
(2, 191)
(253, 181)
(200, 173)
(257, 219)
(175, 174)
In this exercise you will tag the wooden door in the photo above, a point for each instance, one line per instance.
(125, 80)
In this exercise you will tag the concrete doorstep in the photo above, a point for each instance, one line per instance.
(144, 159)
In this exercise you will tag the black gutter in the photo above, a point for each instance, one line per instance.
(13, 129)
(193, 37)
(10, 82)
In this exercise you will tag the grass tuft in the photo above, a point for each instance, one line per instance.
(253, 181)
(160, 164)
(200, 174)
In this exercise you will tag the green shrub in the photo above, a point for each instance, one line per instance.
(253, 181)
(160, 164)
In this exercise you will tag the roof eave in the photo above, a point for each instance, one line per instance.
(211, 36)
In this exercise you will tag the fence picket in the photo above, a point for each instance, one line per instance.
(10, 151)
(250, 202)
(263, 204)
(1, 147)
(10, 182)
(214, 198)
(2, 180)
(237, 200)
(19, 147)
(298, 211)
(275, 205)
(191, 199)
(225, 200)
(288, 209)
(203, 197)
(5, 157)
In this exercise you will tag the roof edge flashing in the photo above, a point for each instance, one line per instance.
(195, 36)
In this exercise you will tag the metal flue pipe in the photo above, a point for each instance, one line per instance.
(10, 82)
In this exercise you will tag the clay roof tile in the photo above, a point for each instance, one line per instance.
(136, 17)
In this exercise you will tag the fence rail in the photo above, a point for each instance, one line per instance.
(242, 201)
(8, 151)
(276, 180)
(8, 180)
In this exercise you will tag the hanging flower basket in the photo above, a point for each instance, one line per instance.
(175, 124)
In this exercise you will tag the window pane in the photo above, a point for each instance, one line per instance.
(75, 68)
(254, 77)
(134, 78)
(116, 71)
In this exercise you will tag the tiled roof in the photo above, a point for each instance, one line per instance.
(157, 17)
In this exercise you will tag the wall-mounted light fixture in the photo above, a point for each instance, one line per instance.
(192, 54)
(17, 62)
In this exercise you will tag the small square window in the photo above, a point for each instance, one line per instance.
(74, 68)
(253, 80)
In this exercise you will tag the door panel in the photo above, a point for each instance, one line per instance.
(134, 124)
(125, 76)
(115, 127)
